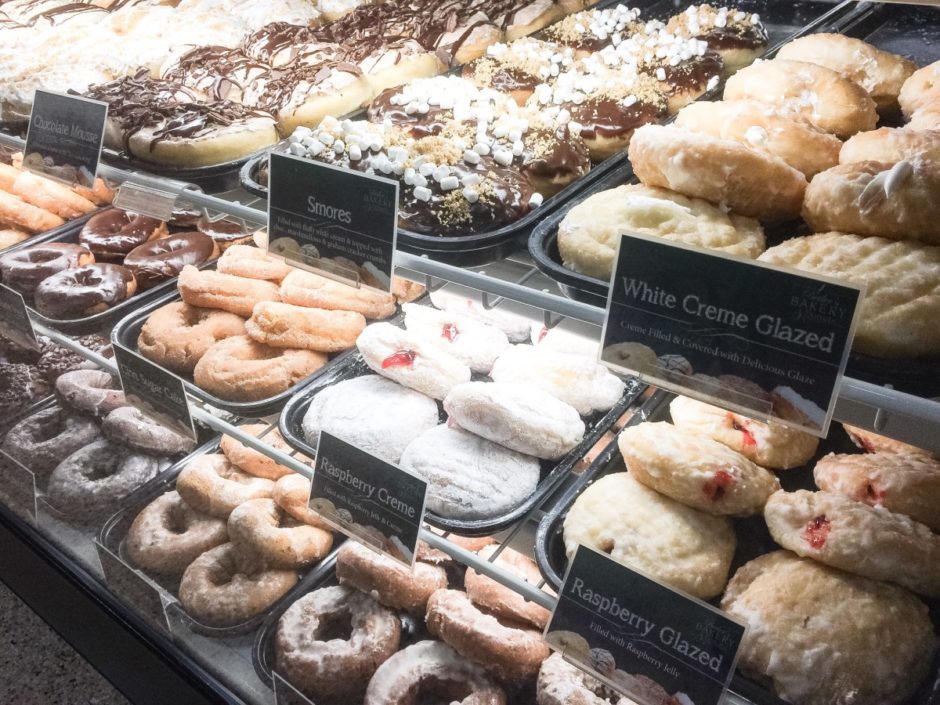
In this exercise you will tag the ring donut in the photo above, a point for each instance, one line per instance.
(253, 263)
(260, 525)
(252, 461)
(84, 291)
(501, 601)
(90, 392)
(225, 292)
(40, 441)
(212, 485)
(25, 269)
(114, 233)
(292, 494)
(157, 261)
(177, 335)
(129, 425)
(283, 325)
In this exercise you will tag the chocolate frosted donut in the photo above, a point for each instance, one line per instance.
(158, 260)
(84, 291)
(40, 441)
(114, 233)
(224, 233)
(25, 269)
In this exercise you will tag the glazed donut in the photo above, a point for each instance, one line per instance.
(157, 261)
(288, 326)
(721, 171)
(92, 481)
(322, 664)
(129, 425)
(177, 335)
(51, 196)
(815, 93)
(386, 579)
(225, 233)
(39, 442)
(252, 461)
(253, 263)
(239, 369)
(225, 292)
(926, 117)
(475, 344)
(222, 588)
(212, 485)
(261, 526)
(870, 541)
(18, 213)
(512, 654)
(292, 494)
(871, 442)
(308, 289)
(25, 269)
(501, 601)
(168, 535)
(891, 144)
(430, 668)
(114, 233)
(89, 392)
(921, 87)
(84, 291)
(895, 201)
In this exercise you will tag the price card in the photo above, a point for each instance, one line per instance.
(764, 341)
(145, 201)
(333, 221)
(368, 498)
(17, 324)
(65, 136)
(644, 639)
(153, 390)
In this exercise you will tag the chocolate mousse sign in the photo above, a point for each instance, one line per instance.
(334, 221)
(761, 340)
(65, 136)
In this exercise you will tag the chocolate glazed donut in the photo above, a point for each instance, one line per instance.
(156, 261)
(84, 291)
(25, 269)
(114, 233)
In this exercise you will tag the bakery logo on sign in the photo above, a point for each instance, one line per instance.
(815, 305)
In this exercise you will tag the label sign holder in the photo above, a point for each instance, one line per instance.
(368, 499)
(65, 136)
(627, 629)
(145, 201)
(153, 390)
(764, 341)
(14, 312)
(336, 222)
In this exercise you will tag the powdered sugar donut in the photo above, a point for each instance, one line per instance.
(473, 343)
(386, 579)
(469, 477)
(515, 327)
(212, 485)
(558, 340)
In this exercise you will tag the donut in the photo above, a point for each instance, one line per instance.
(588, 31)
(512, 654)
(129, 425)
(21, 385)
(737, 36)
(721, 171)
(225, 233)
(501, 601)
(870, 541)
(473, 343)
(926, 117)
(177, 335)
(308, 289)
(225, 292)
(468, 476)
(17, 213)
(92, 481)
(387, 580)
(563, 683)
(920, 89)
(432, 670)
(168, 535)
(516, 327)
(881, 199)
(89, 392)
(871, 442)
(817, 94)
(520, 417)
(112, 234)
(40, 441)
(11, 236)
(322, 660)
(84, 291)
(891, 144)
(252, 263)
(283, 325)
(292, 494)
(768, 444)
(821, 636)
(55, 360)
(51, 196)
(212, 485)
(252, 461)
(223, 588)
(239, 369)
(25, 269)
(157, 261)
(561, 340)
(261, 526)
(516, 68)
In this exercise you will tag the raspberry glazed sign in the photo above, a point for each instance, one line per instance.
(641, 638)
(64, 137)
(761, 340)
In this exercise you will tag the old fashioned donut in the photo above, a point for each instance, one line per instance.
(252, 461)
(18, 213)
(512, 654)
(433, 670)
(90, 392)
(321, 658)
(253, 263)
(261, 526)
(157, 261)
(475, 344)
(239, 369)
(25, 269)
(114, 233)
(871, 541)
(212, 485)
(168, 535)
(177, 335)
(891, 144)
(721, 171)
(872, 442)
(39, 442)
(129, 425)
(84, 291)
(292, 494)
(53, 197)
(562, 683)
(501, 601)
(386, 579)
(308, 289)
(283, 325)
(921, 87)
(225, 292)
(223, 588)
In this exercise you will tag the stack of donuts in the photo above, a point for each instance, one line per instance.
(233, 535)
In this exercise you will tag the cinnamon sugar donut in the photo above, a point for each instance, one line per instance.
(253, 263)
(90, 392)
(39, 442)
(236, 295)
(113, 233)
(177, 335)
(212, 485)
(283, 325)
(292, 494)
(129, 425)
(261, 526)
(501, 601)
(18, 213)
(252, 461)
(308, 289)
(891, 144)
(53, 197)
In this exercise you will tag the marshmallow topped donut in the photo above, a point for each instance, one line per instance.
(737, 36)
(518, 67)
(475, 344)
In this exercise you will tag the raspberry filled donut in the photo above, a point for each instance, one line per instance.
(391, 583)
(89, 392)
(871, 442)
(212, 485)
(252, 461)
(501, 601)
(129, 425)
(177, 335)
(283, 325)
(261, 526)
(114, 233)
(39, 442)
(84, 291)
(225, 292)
(475, 344)
(25, 269)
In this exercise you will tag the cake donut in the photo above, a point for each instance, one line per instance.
(89, 392)
(225, 292)
(563, 683)
(223, 588)
(768, 444)
(872, 442)
(129, 425)
(322, 664)
(920, 88)
(261, 526)
(283, 325)
(212, 485)
(253, 263)
(25, 269)
(468, 476)
(40, 441)
(432, 669)
(168, 535)
(512, 654)
(252, 461)
(520, 417)
(177, 335)
(292, 494)
(157, 261)
(891, 144)
(387, 580)
(739, 37)
(870, 541)
(475, 344)
(501, 601)
(84, 291)
(308, 289)
(112, 234)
